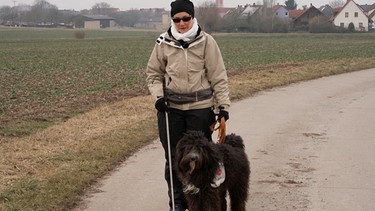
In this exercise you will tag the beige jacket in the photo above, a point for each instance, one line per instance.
(187, 70)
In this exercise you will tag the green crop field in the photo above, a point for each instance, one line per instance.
(49, 75)
(50, 80)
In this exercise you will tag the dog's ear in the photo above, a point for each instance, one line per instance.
(183, 146)
(178, 156)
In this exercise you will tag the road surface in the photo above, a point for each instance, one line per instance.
(311, 146)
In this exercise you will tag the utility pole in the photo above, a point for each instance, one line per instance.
(14, 11)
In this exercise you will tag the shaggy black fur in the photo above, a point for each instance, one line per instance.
(197, 161)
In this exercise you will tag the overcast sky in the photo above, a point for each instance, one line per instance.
(137, 4)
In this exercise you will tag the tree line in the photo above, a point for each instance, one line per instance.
(44, 13)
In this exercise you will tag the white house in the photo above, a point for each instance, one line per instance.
(281, 12)
(352, 13)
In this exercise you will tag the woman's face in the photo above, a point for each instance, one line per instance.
(183, 22)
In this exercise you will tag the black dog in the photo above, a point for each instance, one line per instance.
(198, 163)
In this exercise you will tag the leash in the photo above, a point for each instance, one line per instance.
(221, 130)
(220, 174)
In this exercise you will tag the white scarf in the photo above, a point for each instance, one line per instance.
(187, 36)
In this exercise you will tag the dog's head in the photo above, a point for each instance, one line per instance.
(195, 153)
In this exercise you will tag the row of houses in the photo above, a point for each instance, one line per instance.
(361, 16)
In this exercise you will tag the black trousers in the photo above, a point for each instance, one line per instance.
(179, 122)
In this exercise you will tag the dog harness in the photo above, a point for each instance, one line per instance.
(219, 177)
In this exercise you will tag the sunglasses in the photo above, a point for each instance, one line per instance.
(184, 19)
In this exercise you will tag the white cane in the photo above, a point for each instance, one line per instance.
(170, 159)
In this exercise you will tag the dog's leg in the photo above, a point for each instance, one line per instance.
(204, 201)
(238, 197)
(211, 201)
(194, 202)
(223, 200)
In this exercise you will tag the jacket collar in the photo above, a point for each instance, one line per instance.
(170, 40)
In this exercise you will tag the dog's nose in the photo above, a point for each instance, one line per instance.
(193, 157)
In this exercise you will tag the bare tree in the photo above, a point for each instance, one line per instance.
(208, 15)
(267, 7)
(321, 24)
(127, 18)
(336, 3)
(101, 8)
(7, 13)
(101, 5)
(43, 11)
(231, 21)
(268, 3)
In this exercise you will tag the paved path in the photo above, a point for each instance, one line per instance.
(311, 147)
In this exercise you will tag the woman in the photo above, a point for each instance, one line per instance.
(187, 78)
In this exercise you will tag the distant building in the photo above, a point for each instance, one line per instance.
(327, 10)
(251, 10)
(352, 13)
(370, 10)
(281, 12)
(301, 18)
(98, 21)
(153, 18)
